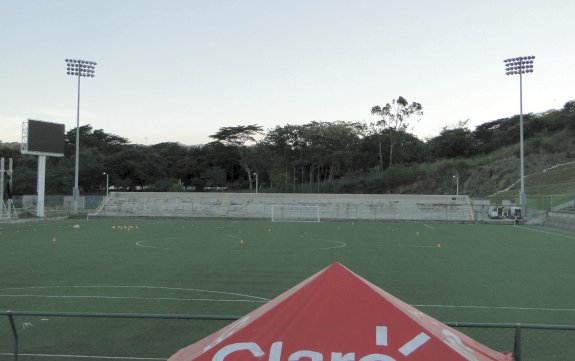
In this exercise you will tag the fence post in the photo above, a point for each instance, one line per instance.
(15, 334)
(517, 347)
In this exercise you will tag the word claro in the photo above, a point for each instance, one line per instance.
(251, 351)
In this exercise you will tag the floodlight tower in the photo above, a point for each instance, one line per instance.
(79, 68)
(520, 65)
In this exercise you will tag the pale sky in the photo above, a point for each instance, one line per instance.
(179, 70)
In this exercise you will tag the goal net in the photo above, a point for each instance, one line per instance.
(287, 213)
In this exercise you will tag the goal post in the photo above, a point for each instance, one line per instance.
(290, 213)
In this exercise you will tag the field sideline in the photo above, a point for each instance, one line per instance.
(454, 272)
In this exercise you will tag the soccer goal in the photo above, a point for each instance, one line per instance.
(288, 213)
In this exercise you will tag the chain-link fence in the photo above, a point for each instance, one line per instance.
(557, 202)
(528, 342)
(54, 206)
(547, 344)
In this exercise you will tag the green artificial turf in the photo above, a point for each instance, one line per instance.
(453, 272)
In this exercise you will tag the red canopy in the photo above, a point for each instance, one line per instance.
(336, 315)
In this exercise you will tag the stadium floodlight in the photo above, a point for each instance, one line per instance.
(87, 69)
(513, 66)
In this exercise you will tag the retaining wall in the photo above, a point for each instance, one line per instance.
(259, 206)
(560, 220)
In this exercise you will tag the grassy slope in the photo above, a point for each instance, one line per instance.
(485, 175)
(480, 176)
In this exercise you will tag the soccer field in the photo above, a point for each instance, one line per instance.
(453, 272)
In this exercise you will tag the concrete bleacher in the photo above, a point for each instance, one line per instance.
(259, 206)
(561, 216)
(563, 220)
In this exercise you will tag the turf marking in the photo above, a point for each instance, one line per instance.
(502, 308)
(338, 243)
(548, 232)
(138, 298)
(227, 225)
(139, 244)
(428, 226)
(416, 246)
(84, 356)
(255, 298)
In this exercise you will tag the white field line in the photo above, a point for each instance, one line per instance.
(256, 298)
(139, 244)
(84, 356)
(502, 308)
(137, 298)
(416, 246)
(227, 225)
(548, 232)
(428, 226)
(338, 243)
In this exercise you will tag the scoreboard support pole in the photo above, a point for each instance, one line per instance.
(41, 185)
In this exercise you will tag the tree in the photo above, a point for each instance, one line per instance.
(237, 137)
(174, 157)
(457, 141)
(497, 133)
(214, 176)
(135, 167)
(330, 146)
(394, 118)
(285, 145)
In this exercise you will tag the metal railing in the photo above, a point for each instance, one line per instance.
(13, 314)
(528, 342)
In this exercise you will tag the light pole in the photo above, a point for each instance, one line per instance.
(520, 65)
(107, 182)
(457, 185)
(257, 181)
(79, 68)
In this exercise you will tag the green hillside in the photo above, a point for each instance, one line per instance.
(549, 170)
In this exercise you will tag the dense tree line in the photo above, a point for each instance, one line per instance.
(313, 157)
